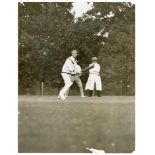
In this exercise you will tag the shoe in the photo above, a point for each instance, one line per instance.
(98, 93)
(90, 93)
(61, 97)
(83, 96)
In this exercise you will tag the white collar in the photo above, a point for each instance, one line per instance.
(72, 58)
(94, 63)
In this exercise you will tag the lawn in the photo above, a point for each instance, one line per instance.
(47, 124)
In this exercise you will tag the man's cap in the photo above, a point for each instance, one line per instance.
(94, 58)
(74, 51)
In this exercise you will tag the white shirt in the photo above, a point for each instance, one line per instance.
(69, 65)
(95, 69)
(78, 69)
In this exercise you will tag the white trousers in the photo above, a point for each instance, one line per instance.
(92, 80)
(79, 83)
(68, 82)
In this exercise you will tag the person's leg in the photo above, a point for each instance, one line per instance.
(68, 83)
(98, 93)
(90, 85)
(90, 93)
(79, 83)
(98, 85)
(67, 92)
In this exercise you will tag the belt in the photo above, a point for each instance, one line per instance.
(66, 73)
(98, 74)
(94, 73)
(70, 74)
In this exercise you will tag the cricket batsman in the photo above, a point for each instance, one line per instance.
(68, 69)
(94, 78)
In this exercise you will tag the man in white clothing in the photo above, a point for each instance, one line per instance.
(94, 78)
(68, 69)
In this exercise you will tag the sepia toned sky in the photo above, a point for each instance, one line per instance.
(80, 8)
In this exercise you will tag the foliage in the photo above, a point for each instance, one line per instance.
(48, 32)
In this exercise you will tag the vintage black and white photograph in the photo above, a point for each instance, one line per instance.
(76, 77)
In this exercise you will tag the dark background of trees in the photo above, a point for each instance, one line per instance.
(48, 32)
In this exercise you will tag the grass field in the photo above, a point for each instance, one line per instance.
(46, 124)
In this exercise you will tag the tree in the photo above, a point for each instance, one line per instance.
(41, 37)
(48, 32)
(111, 26)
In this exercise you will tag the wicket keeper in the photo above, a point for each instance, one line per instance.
(94, 78)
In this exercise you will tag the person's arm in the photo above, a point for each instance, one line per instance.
(89, 67)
